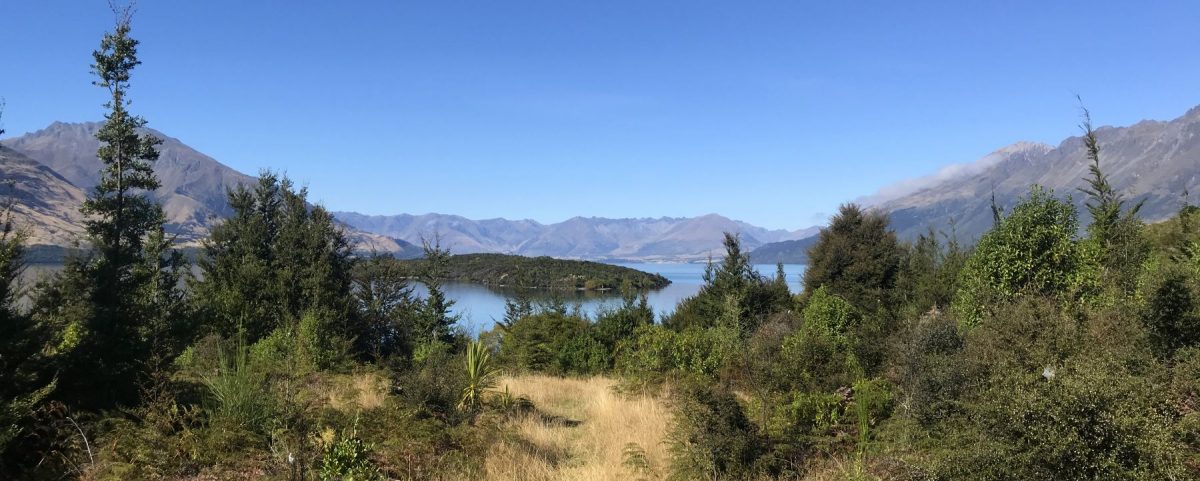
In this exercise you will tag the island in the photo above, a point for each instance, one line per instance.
(513, 271)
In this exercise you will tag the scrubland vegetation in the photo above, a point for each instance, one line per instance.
(1037, 353)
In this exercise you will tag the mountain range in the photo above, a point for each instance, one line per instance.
(1154, 162)
(647, 239)
(47, 173)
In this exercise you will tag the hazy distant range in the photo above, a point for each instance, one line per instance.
(48, 172)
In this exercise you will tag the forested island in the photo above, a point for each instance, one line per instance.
(503, 270)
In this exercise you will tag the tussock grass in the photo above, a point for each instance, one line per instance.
(578, 432)
(352, 392)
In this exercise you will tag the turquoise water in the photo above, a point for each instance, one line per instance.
(481, 306)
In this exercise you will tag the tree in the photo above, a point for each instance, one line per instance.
(1116, 231)
(113, 309)
(23, 380)
(515, 308)
(435, 321)
(929, 273)
(734, 295)
(857, 258)
(274, 260)
(386, 308)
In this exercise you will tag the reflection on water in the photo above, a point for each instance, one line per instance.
(481, 306)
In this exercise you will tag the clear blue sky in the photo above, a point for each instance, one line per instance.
(769, 112)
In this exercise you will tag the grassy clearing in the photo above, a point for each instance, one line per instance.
(578, 431)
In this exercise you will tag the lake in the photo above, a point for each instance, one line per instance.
(481, 306)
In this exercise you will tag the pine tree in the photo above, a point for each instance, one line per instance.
(1117, 232)
(113, 309)
(386, 308)
(275, 260)
(856, 257)
(435, 321)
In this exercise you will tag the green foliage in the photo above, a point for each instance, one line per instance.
(711, 437)
(1117, 234)
(386, 307)
(929, 273)
(275, 258)
(321, 343)
(1172, 311)
(534, 343)
(522, 272)
(238, 392)
(615, 325)
(435, 382)
(857, 258)
(831, 315)
(1092, 420)
(348, 458)
(872, 403)
(24, 383)
(481, 376)
(433, 321)
(656, 351)
(114, 314)
(583, 354)
(1032, 251)
(814, 359)
(734, 295)
(931, 374)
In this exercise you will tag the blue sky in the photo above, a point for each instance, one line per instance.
(769, 112)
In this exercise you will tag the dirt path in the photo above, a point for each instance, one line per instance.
(579, 431)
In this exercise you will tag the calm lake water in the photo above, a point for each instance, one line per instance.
(481, 306)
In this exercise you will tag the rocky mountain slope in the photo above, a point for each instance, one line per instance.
(47, 174)
(1151, 161)
(193, 184)
(44, 204)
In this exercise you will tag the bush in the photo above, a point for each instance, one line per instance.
(816, 360)
(711, 437)
(1172, 308)
(435, 382)
(348, 458)
(931, 374)
(1031, 251)
(1089, 421)
(534, 343)
(583, 354)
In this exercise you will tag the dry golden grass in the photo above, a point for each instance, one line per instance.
(352, 392)
(579, 431)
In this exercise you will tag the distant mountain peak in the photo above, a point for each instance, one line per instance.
(1152, 160)
(57, 164)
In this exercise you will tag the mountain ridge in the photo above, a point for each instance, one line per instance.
(1152, 160)
(193, 195)
(641, 238)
